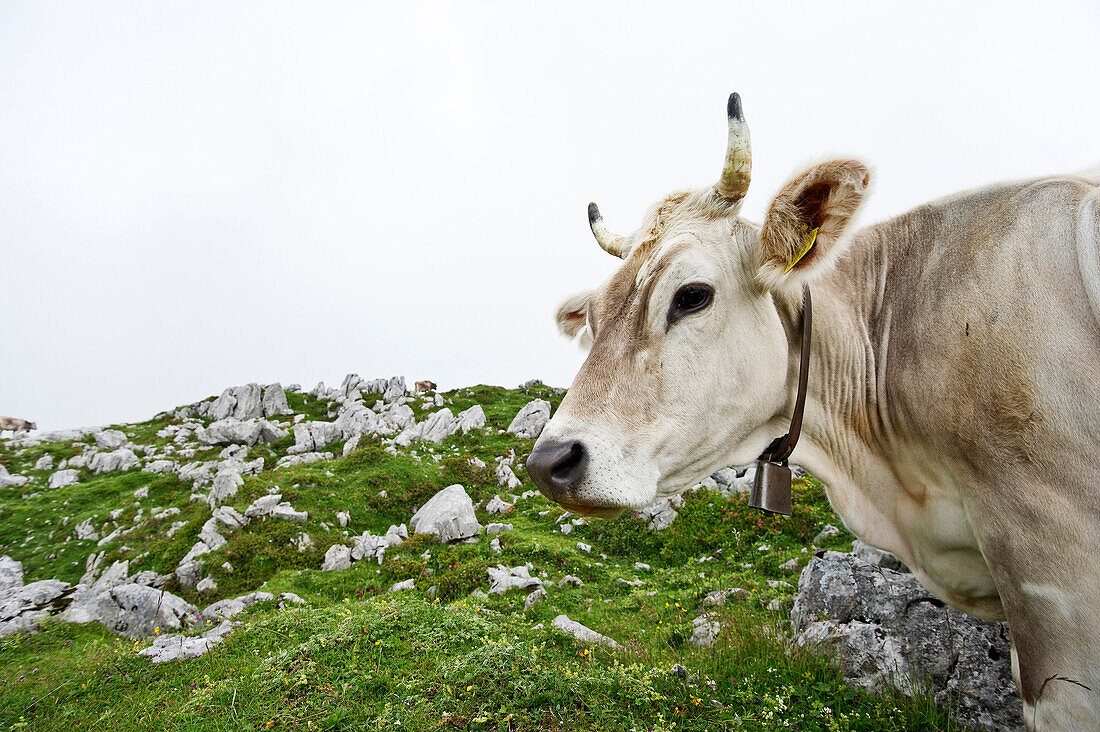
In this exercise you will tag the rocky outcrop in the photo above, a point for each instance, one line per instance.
(22, 605)
(374, 547)
(449, 515)
(471, 419)
(312, 436)
(436, 428)
(661, 513)
(502, 579)
(246, 402)
(130, 609)
(106, 462)
(118, 602)
(175, 646)
(583, 633)
(234, 431)
(531, 420)
(62, 478)
(886, 628)
(274, 506)
(110, 439)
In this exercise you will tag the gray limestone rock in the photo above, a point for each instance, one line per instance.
(337, 557)
(262, 506)
(274, 401)
(210, 536)
(225, 485)
(704, 632)
(497, 505)
(273, 505)
(200, 548)
(225, 609)
(449, 514)
(63, 478)
(888, 629)
(199, 473)
(106, 462)
(172, 647)
(721, 597)
(312, 436)
(230, 517)
(11, 574)
(471, 419)
(350, 445)
(115, 575)
(530, 420)
(582, 633)
(502, 579)
(287, 512)
(22, 606)
(534, 599)
(189, 572)
(130, 609)
(661, 513)
(826, 532)
(436, 428)
(85, 530)
(439, 426)
(12, 479)
(303, 542)
(44, 463)
(230, 431)
(374, 547)
(303, 459)
(150, 579)
(160, 466)
(110, 439)
(241, 402)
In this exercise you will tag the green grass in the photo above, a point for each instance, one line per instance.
(357, 657)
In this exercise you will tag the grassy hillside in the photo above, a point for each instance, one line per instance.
(444, 656)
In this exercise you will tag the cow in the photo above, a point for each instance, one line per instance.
(953, 391)
(422, 386)
(15, 425)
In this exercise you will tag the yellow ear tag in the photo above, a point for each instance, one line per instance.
(809, 236)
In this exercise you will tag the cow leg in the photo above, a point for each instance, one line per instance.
(1041, 550)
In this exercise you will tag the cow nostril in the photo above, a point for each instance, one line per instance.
(565, 469)
(558, 467)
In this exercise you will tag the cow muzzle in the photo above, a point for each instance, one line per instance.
(558, 468)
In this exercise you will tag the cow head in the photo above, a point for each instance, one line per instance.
(689, 366)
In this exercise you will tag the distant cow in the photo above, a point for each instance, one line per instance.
(422, 386)
(15, 425)
(952, 408)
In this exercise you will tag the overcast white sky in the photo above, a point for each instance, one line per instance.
(198, 195)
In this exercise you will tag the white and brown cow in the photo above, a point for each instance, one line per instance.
(15, 424)
(954, 386)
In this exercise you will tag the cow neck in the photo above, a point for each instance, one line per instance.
(771, 489)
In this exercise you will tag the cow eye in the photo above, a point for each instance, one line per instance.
(689, 299)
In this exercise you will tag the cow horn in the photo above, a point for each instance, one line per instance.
(610, 242)
(737, 170)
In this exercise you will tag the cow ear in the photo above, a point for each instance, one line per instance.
(804, 230)
(572, 315)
